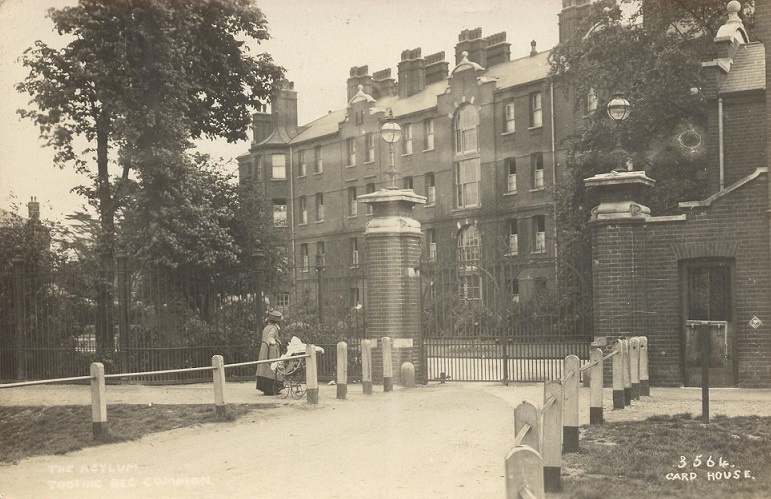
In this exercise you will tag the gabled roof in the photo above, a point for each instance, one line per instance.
(748, 71)
(326, 125)
(520, 71)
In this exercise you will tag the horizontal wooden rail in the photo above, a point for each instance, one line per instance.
(611, 354)
(567, 377)
(521, 434)
(166, 371)
(548, 404)
(45, 381)
(589, 366)
(266, 361)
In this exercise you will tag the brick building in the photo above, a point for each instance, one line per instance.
(707, 270)
(481, 141)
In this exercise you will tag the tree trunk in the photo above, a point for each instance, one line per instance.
(106, 245)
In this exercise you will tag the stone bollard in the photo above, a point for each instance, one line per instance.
(388, 365)
(634, 366)
(98, 401)
(645, 388)
(627, 373)
(408, 375)
(342, 370)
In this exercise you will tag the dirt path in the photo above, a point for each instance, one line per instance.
(439, 441)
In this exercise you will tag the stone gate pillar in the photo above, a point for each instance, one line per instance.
(392, 257)
(618, 227)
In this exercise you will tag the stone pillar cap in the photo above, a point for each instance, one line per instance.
(385, 195)
(619, 178)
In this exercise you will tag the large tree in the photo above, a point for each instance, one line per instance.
(138, 80)
(653, 55)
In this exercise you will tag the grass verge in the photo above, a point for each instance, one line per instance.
(671, 456)
(27, 431)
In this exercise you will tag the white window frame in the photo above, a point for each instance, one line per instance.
(278, 168)
(536, 160)
(304, 258)
(354, 252)
(540, 236)
(536, 110)
(407, 139)
(428, 134)
(509, 119)
(370, 142)
(466, 125)
(351, 149)
(511, 178)
(320, 207)
(319, 163)
(303, 209)
(513, 237)
(430, 188)
(301, 165)
(353, 205)
(467, 180)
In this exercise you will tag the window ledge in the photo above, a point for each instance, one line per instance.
(349, 180)
(538, 189)
(511, 254)
(510, 193)
(351, 216)
(350, 166)
(428, 150)
(536, 127)
(318, 173)
(406, 154)
(278, 180)
(300, 176)
(429, 205)
(369, 162)
(539, 252)
(508, 133)
(319, 221)
(302, 224)
(468, 208)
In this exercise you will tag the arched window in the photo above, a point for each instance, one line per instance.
(467, 130)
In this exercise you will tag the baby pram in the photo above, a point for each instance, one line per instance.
(290, 370)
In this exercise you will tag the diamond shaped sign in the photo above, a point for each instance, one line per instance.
(755, 322)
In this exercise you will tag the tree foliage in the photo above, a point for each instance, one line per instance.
(653, 56)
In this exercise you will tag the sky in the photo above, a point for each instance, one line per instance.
(316, 41)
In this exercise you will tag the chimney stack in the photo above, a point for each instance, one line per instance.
(359, 75)
(261, 124)
(412, 73)
(497, 50)
(471, 41)
(383, 84)
(284, 106)
(33, 208)
(572, 15)
(437, 69)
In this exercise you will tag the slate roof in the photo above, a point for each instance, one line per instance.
(508, 74)
(748, 71)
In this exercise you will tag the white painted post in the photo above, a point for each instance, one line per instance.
(551, 444)
(98, 401)
(595, 387)
(218, 373)
(366, 366)
(342, 370)
(526, 414)
(407, 375)
(618, 375)
(645, 388)
(524, 475)
(634, 367)
(570, 399)
(312, 375)
(627, 373)
(388, 366)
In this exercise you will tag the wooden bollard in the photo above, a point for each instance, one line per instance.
(366, 366)
(595, 387)
(634, 366)
(524, 477)
(570, 401)
(407, 375)
(618, 375)
(388, 365)
(312, 375)
(98, 401)
(551, 443)
(526, 415)
(218, 375)
(645, 388)
(342, 370)
(627, 374)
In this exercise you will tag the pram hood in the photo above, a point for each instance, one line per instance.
(294, 347)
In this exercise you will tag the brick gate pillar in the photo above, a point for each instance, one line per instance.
(618, 251)
(392, 257)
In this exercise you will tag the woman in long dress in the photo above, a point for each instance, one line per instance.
(269, 349)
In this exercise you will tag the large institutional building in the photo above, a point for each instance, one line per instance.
(481, 141)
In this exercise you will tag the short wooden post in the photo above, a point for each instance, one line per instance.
(626, 373)
(312, 375)
(618, 375)
(407, 375)
(388, 365)
(527, 428)
(218, 373)
(634, 366)
(570, 399)
(645, 388)
(342, 370)
(551, 443)
(595, 387)
(98, 401)
(524, 477)
(366, 366)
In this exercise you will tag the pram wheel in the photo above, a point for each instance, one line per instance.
(297, 390)
(280, 389)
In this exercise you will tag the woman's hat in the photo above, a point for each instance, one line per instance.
(275, 315)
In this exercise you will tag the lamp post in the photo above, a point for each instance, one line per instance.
(391, 132)
(319, 268)
(619, 110)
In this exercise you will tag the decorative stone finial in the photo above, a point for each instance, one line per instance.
(464, 55)
(733, 9)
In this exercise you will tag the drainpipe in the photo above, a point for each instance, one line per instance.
(721, 152)
(553, 137)
(290, 211)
